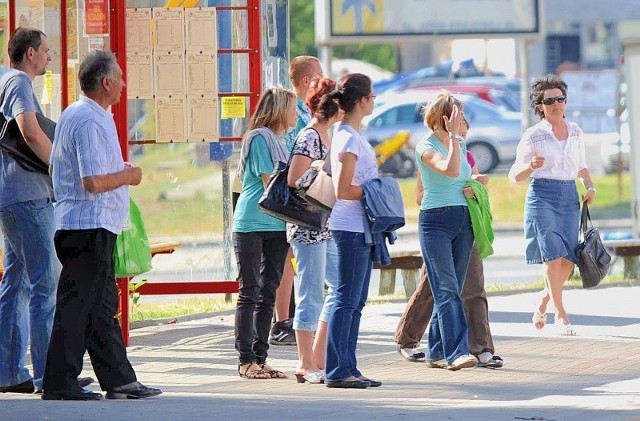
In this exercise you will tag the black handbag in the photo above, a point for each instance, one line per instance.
(593, 259)
(283, 202)
(12, 142)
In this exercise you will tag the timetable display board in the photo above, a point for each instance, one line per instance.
(172, 61)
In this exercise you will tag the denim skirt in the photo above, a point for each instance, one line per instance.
(551, 220)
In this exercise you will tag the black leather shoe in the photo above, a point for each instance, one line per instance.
(73, 394)
(85, 381)
(135, 390)
(82, 382)
(24, 387)
(348, 384)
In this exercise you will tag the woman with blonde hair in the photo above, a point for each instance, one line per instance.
(445, 231)
(260, 240)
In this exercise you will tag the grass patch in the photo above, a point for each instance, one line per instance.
(507, 198)
(178, 194)
(181, 192)
(151, 311)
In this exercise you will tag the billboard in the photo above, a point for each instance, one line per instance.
(348, 21)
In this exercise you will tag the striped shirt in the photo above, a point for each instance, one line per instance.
(85, 145)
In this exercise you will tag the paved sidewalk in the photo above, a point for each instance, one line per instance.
(594, 376)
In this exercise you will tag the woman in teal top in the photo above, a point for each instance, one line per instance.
(445, 231)
(259, 240)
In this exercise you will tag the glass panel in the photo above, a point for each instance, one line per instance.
(4, 35)
(181, 194)
(45, 16)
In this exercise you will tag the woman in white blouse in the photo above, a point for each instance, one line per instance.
(552, 154)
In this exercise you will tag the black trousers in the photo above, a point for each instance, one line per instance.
(86, 306)
(260, 257)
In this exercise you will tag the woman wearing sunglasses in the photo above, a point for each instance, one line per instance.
(552, 155)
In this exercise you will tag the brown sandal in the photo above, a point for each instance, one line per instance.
(273, 373)
(251, 374)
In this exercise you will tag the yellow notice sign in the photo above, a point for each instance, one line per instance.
(233, 107)
(47, 95)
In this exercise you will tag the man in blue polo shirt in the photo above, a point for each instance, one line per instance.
(31, 268)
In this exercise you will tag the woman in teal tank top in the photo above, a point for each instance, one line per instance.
(445, 231)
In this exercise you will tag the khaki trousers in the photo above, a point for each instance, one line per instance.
(416, 316)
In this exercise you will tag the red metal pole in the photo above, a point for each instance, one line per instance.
(64, 62)
(255, 59)
(118, 34)
(12, 17)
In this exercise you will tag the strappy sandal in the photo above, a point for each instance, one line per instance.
(254, 374)
(315, 377)
(539, 320)
(273, 373)
(565, 329)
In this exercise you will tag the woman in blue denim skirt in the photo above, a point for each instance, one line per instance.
(315, 251)
(552, 154)
(353, 162)
(445, 231)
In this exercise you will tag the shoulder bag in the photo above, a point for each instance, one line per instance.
(316, 185)
(12, 142)
(284, 202)
(593, 259)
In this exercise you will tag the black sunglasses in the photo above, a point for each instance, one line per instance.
(551, 100)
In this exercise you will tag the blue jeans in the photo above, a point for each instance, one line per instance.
(446, 240)
(316, 264)
(27, 290)
(354, 263)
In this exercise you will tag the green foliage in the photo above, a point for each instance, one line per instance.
(301, 25)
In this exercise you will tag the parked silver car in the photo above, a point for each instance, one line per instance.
(492, 138)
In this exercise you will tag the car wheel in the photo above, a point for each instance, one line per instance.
(485, 155)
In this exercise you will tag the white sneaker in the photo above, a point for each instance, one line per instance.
(438, 363)
(463, 361)
(412, 355)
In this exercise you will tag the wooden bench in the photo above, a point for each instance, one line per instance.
(629, 250)
(168, 288)
(409, 262)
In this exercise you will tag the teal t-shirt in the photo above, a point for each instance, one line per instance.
(304, 117)
(440, 190)
(247, 216)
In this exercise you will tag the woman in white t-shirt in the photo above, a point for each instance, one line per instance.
(551, 153)
(353, 161)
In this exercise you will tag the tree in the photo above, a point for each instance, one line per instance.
(302, 40)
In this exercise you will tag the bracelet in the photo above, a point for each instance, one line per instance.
(593, 189)
(458, 137)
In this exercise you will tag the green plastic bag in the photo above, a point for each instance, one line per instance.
(132, 254)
